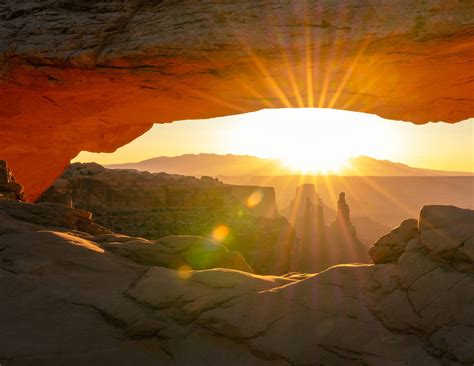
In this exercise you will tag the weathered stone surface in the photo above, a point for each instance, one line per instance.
(458, 339)
(114, 311)
(188, 296)
(177, 252)
(389, 247)
(52, 215)
(93, 76)
(444, 228)
(443, 233)
(413, 265)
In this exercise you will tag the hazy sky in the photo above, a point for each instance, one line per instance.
(307, 138)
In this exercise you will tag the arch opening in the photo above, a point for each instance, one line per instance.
(363, 154)
(308, 141)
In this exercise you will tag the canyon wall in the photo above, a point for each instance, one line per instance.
(92, 76)
(94, 187)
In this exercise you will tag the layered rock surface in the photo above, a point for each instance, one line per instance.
(416, 310)
(95, 75)
(49, 214)
(445, 232)
(91, 186)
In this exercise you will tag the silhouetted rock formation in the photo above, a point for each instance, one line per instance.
(295, 209)
(368, 230)
(306, 213)
(342, 228)
(159, 204)
(401, 197)
(321, 230)
(320, 246)
(343, 238)
(344, 212)
(307, 250)
(9, 188)
(111, 310)
(314, 249)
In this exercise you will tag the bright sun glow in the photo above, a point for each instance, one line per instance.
(307, 140)
(305, 164)
(312, 142)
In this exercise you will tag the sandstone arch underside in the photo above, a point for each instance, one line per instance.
(94, 75)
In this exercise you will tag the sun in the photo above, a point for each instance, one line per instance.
(301, 163)
(307, 140)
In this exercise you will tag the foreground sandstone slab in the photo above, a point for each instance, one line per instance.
(177, 251)
(416, 310)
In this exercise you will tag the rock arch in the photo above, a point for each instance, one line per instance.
(95, 75)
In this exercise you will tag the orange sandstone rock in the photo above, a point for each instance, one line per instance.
(93, 76)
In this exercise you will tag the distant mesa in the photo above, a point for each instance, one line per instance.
(207, 164)
(246, 165)
(91, 185)
(367, 166)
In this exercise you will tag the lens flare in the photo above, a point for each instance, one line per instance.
(184, 272)
(220, 233)
(254, 199)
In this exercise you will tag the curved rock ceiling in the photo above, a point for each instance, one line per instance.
(94, 75)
